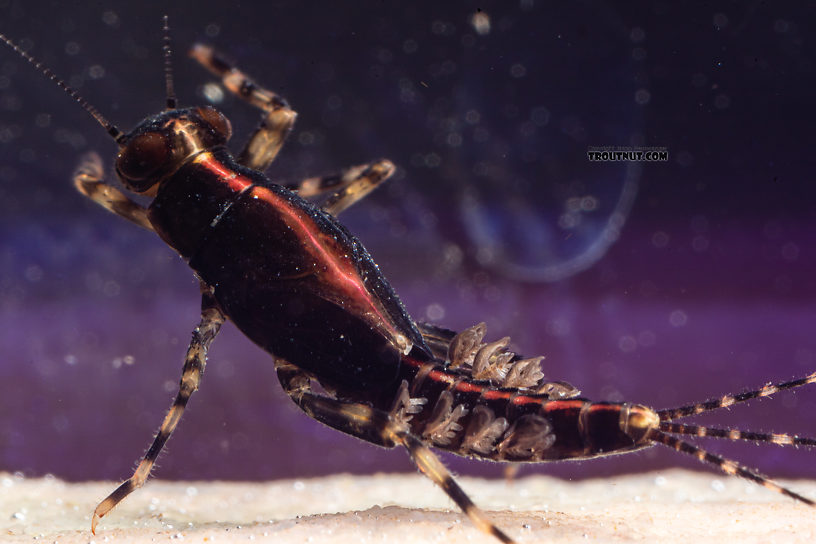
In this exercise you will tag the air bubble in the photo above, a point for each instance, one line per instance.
(720, 20)
(480, 22)
(678, 318)
(518, 70)
(660, 239)
(435, 312)
(642, 96)
(96, 71)
(110, 18)
(213, 92)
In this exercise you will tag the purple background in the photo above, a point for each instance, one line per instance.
(723, 232)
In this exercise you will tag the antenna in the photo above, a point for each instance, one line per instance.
(114, 132)
(168, 67)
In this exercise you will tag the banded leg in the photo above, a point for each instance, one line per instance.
(277, 120)
(430, 465)
(88, 179)
(438, 338)
(383, 429)
(196, 359)
(349, 186)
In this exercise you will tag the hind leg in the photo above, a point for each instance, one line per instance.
(384, 429)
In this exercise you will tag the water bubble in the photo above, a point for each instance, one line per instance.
(480, 21)
(678, 318)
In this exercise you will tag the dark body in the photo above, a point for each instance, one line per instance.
(299, 285)
(293, 279)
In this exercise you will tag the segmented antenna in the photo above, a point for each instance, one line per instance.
(168, 67)
(114, 132)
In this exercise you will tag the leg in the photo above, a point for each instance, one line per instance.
(384, 429)
(349, 186)
(88, 180)
(276, 123)
(437, 338)
(511, 472)
(277, 119)
(430, 465)
(204, 334)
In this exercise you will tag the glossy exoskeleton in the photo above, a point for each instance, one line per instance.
(299, 285)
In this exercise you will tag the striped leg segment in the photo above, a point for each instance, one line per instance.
(437, 338)
(88, 179)
(430, 465)
(361, 181)
(729, 400)
(276, 123)
(203, 335)
(383, 429)
(355, 419)
(349, 186)
(278, 118)
(726, 465)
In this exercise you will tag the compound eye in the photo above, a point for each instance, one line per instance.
(142, 157)
(217, 121)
